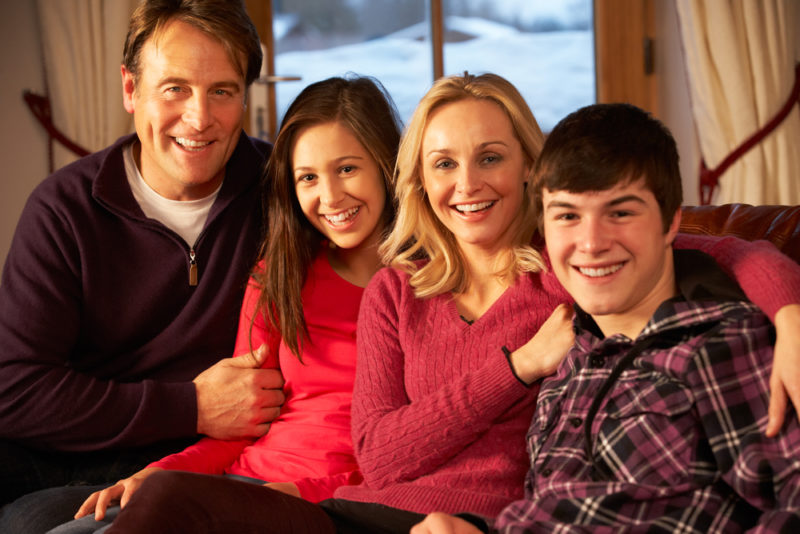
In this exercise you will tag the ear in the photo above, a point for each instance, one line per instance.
(128, 89)
(673, 227)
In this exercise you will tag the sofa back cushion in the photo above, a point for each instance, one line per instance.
(779, 224)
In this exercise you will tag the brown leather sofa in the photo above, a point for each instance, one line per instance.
(779, 224)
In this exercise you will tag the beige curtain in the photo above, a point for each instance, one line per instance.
(82, 43)
(741, 57)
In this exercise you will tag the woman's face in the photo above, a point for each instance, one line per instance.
(473, 170)
(339, 186)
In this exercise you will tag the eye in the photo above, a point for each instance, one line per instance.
(491, 158)
(305, 178)
(565, 216)
(347, 169)
(620, 214)
(174, 89)
(444, 164)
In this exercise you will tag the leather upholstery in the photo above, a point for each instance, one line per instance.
(779, 224)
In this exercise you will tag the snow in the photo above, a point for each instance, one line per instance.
(554, 70)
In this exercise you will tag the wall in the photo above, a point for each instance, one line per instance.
(23, 143)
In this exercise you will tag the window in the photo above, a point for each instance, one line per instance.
(545, 48)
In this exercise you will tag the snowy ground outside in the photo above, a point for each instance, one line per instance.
(554, 70)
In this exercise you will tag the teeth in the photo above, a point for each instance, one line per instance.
(188, 143)
(463, 208)
(598, 272)
(342, 217)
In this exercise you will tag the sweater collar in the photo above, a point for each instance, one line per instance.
(110, 187)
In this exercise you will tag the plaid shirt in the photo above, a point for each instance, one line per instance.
(676, 438)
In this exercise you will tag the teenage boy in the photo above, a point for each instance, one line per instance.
(655, 419)
(122, 288)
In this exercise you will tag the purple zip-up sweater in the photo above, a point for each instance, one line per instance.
(100, 330)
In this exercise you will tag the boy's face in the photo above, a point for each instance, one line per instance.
(609, 250)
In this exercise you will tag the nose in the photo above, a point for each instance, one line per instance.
(468, 180)
(330, 192)
(197, 112)
(592, 236)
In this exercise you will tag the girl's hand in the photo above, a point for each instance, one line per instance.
(122, 491)
(541, 356)
(785, 379)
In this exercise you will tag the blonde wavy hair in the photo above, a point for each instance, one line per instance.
(418, 233)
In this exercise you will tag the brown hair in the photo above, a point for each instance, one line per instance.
(224, 20)
(360, 104)
(418, 233)
(602, 145)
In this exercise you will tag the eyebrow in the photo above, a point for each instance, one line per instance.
(614, 202)
(480, 146)
(176, 80)
(337, 160)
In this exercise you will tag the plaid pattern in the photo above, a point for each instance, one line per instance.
(677, 443)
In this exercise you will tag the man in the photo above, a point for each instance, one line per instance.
(121, 291)
(655, 419)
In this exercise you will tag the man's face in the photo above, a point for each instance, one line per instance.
(609, 250)
(188, 106)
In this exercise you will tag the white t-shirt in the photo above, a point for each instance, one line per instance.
(185, 217)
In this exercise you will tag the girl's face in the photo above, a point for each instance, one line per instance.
(473, 170)
(339, 186)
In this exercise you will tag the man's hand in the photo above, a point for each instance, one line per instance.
(236, 399)
(439, 523)
(784, 382)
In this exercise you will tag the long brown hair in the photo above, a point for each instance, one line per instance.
(360, 104)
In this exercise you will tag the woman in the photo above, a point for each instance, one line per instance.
(328, 197)
(453, 336)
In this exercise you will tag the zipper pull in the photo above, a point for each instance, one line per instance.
(192, 268)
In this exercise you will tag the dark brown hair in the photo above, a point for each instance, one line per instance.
(602, 145)
(224, 20)
(362, 106)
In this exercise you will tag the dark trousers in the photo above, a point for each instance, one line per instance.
(175, 502)
(25, 471)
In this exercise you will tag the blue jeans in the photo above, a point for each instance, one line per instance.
(42, 510)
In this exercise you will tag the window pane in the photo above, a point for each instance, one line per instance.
(544, 47)
(386, 39)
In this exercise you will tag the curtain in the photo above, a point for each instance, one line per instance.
(740, 61)
(82, 43)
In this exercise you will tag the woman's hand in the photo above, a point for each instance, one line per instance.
(785, 379)
(122, 491)
(540, 356)
(439, 523)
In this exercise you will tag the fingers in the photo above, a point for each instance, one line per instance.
(88, 505)
(269, 378)
(103, 500)
(777, 411)
(98, 502)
